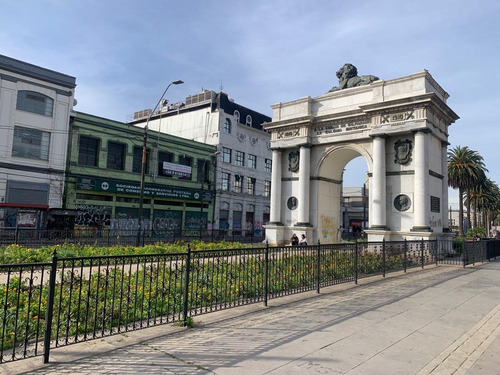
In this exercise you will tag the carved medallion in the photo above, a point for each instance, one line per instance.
(402, 202)
(293, 161)
(292, 203)
(403, 151)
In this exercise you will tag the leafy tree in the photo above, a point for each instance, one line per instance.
(465, 170)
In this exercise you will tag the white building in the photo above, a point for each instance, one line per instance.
(243, 178)
(35, 104)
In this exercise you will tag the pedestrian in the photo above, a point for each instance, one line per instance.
(294, 240)
(302, 241)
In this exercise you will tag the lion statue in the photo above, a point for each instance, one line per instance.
(348, 77)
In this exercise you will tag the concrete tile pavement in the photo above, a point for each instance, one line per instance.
(442, 320)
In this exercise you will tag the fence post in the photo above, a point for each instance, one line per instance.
(16, 235)
(405, 255)
(186, 287)
(266, 273)
(464, 254)
(383, 257)
(356, 263)
(436, 249)
(422, 252)
(50, 309)
(318, 267)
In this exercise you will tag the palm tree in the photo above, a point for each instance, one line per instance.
(488, 202)
(465, 170)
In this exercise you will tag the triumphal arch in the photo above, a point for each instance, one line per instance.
(399, 127)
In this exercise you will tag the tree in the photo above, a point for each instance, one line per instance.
(465, 170)
(488, 202)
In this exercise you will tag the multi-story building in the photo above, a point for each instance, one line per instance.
(243, 152)
(354, 211)
(104, 178)
(35, 106)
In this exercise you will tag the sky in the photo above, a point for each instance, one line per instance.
(261, 52)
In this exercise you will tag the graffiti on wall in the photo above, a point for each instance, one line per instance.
(327, 226)
(193, 220)
(92, 216)
(435, 223)
(167, 221)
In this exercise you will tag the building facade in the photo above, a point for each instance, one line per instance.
(243, 182)
(103, 181)
(35, 107)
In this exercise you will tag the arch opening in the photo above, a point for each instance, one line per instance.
(342, 209)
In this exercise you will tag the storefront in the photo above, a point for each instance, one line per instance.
(114, 204)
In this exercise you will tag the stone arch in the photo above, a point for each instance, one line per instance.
(399, 127)
(348, 152)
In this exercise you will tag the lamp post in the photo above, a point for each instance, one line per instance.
(202, 184)
(143, 164)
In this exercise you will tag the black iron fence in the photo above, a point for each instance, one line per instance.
(70, 300)
(110, 237)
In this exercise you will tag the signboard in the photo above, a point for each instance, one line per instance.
(176, 170)
(127, 187)
(26, 218)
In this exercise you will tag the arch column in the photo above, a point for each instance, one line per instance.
(378, 185)
(444, 198)
(304, 185)
(275, 204)
(421, 203)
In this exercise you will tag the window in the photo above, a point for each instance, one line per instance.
(226, 155)
(223, 219)
(225, 181)
(187, 161)
(34, 102)
(249, 120)
(267, 189)
(250, 185)
(202, 167)
(116, 156)
(137, 160)
(227, 126)
(237, 115)
(31, 143)
(164, 156)
(240, 158)
(88, 151)
(252, 161)
(435, 204)
(238, 183)
(268, 165)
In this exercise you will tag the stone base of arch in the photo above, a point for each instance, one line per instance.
(411, 235)
(280, 235)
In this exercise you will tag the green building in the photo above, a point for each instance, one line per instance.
(103, 178)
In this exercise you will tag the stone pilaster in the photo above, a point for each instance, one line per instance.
(421, 200)
(378, 185)
(444, 200)
(275, 205)
(304, 185)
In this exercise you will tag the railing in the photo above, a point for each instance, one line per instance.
(70, 300)
(109, 237)
(480, 251)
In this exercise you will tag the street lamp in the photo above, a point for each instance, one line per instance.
(202, 184)
(143, 164)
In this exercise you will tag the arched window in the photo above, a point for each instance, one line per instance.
(227, 125)
(237, 115)
(249, 120)
(34, 102)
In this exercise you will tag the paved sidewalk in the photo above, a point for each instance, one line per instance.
(442, 320)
